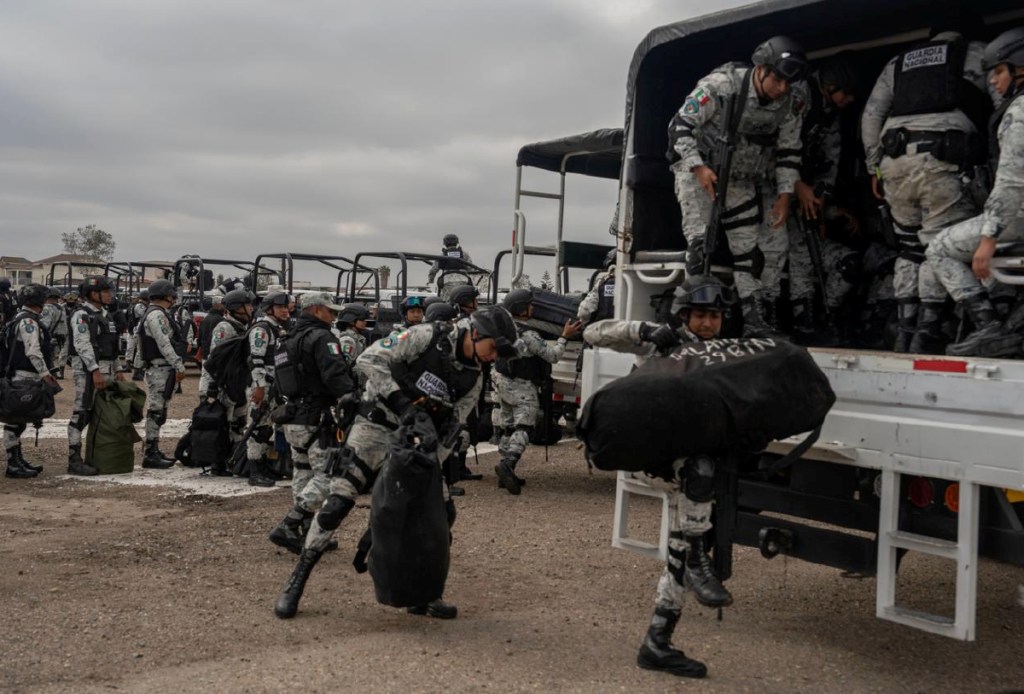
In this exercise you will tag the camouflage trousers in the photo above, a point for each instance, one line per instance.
(254, 448)
(950, 254)
(80, 409)
(516, 415)
(13, 432)
(156, 379)
(236, 416)
(743, 217)
(925, 195)
(310, 484)
(687, 519)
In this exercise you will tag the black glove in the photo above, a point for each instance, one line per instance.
(661, 336)
(398, 403)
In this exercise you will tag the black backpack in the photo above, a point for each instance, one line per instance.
(229, 367)
(208, 444)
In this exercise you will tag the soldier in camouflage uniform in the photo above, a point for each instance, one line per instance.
(56, 321)
(700, 304)
(960, 255)
(29, 358)
(237, 314)
(352, 319)
(94, 364)
(832, 88)
(769, 105)
(452, 265)
(263, 336)
(599, 303)
(464, 298)
(324, 377)
(160, 348)
(429, 371)
(917, 139)
(138, 311)
(516, 384)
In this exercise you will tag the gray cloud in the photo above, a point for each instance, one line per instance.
(228, 128)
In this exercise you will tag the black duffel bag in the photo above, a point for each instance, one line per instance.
(26, 401)
(410, 552)
(717, 397)
(208, 435)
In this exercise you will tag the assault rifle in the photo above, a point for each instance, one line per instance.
(239, 456)
(725, 145)
(810, 233)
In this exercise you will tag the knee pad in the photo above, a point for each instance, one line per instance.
(699, 478)
(528, 430)
(751, 262)
(849, 268)
(158, 416)
(334, 511)
(79, 420)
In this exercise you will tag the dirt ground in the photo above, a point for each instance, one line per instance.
(147, 589)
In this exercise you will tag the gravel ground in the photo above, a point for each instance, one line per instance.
(139, 588)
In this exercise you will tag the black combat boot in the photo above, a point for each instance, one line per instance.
(258, 476)
(24, 463)
(290, 533)
(153, 459)
(754, 324)
(288, 601)
(219, 469)
(906, 312)
(991, 338)
(78, 466)
(928, 339)
(507, 480)
(699, 577)
(803, 322)
(15, 468)
(657, 653)
(438, 609)
(464, 472)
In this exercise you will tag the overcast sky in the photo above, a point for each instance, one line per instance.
(229, 127)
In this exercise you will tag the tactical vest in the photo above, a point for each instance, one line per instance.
(19, 360)
(150, 349)
(450, 258)
(295, 370)
(533, 369)
(103, 334)
(929, 78)
(206, 328)
(993, 130)
(605, 299)
(433, 373)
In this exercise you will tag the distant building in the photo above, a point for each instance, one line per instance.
(66, 270)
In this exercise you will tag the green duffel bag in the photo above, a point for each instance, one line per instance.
(110, 443)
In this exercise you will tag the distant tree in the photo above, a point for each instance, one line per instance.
(220, 279)
(545, 281)
(523, 282)
(90, 241)
(384, 273)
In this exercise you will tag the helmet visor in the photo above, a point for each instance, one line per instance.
(712, 296)
(791, 67)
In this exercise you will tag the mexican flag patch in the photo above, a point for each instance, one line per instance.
(701, 96)
(333, 348)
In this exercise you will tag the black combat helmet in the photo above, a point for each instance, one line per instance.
(702, 291)
(463, 294)
(496, 323)
(33, 295)
(53, 292)
(784, 56)
(440, 312)
(412, 302)
(96, 283)
(609, 259)
(162, 289)
(350, 313)
(517, 301)
(450, 241)
(144, 295)
(274, 299)
(1007, 48)
(839, 73)
(236, 299)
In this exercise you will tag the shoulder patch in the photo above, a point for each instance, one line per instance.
(28, 326)
(691, 107)
(334, 348)
(798, 105)
(388, 342)
(347, 349)
(701, 97)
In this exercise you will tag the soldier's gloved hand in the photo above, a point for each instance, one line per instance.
(402, 406)
(422, 429)
(661, 336)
